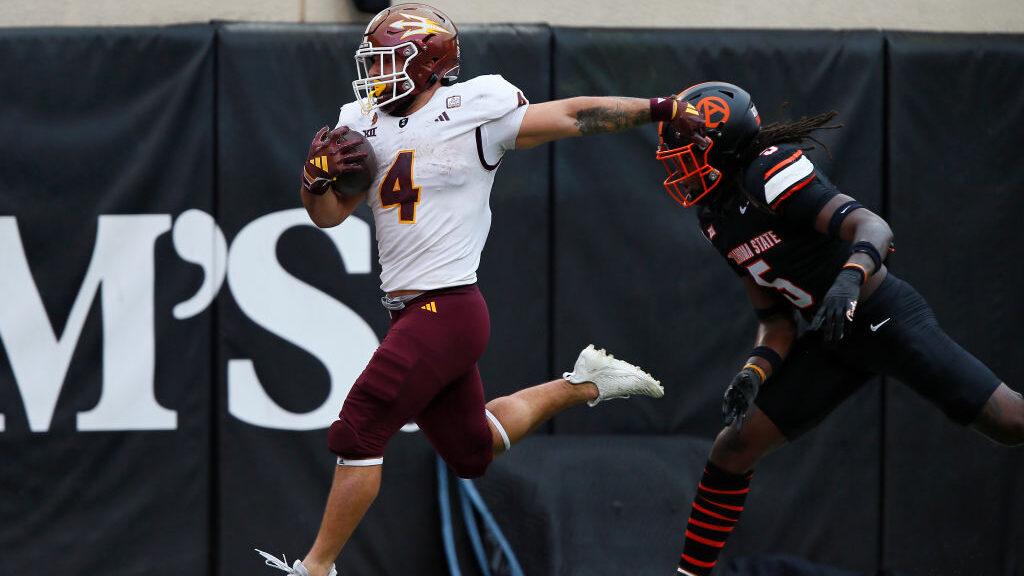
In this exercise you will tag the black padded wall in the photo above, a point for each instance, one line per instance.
(595, 504)
(953, 503)
(106, 193)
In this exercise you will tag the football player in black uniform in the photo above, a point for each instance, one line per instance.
(801, 245)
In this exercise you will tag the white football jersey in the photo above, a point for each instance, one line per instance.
(430, 195)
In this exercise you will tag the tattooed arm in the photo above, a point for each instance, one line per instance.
(581, 116)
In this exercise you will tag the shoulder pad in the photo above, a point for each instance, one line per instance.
(489, 96)
(351, 114)
(776, 173)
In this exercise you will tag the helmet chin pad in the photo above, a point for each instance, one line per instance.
(690, 177)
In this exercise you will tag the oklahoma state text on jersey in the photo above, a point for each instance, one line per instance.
(772, 236)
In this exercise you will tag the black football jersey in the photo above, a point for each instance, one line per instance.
(770, 234)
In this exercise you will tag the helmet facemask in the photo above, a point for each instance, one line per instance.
(690, 177)
(406, 50)
(383, 90)
(732, 125)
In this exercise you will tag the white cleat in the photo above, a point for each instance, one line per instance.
(614, 378)
(298, 569)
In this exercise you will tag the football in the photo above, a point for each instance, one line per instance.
(356, 181)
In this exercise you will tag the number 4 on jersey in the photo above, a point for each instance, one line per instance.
(397, 188)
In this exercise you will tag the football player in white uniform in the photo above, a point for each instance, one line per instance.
(436, 146)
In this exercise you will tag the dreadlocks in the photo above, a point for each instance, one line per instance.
(793, 132)
(730, 191)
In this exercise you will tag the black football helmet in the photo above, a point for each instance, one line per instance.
(732, 123)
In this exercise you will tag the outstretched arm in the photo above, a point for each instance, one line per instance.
(587, 115)
(580, 116)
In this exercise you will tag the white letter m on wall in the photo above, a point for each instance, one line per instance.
(123, 264)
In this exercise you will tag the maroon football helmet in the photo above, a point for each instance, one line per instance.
(406, 49)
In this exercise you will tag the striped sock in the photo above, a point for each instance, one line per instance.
(716, 509)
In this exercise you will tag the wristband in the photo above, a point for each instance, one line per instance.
(310, 183)
(769, 354)
(861, 269)
(664, 109)
(869, 249)
(758, 370)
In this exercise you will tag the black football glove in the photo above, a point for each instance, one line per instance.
(330, 156)
(739, 396)
(838, 306)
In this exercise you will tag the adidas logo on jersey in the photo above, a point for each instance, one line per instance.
(430, 307)
(442, 118)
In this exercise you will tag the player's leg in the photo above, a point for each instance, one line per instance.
(520, 413)
(723, 489)
(1002, 417)
(367, 421)
(966, 390)
(911, 346)
(458, 424)
(739, 452)
(383, 399)
(807, 387)
(469, 435)
(434, 339)
(353, 489)
(596, 376)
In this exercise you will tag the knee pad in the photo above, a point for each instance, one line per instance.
(472, 465)
(472, 457)
(344, 440)
(375, 408)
